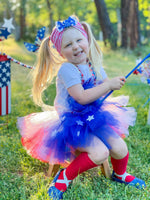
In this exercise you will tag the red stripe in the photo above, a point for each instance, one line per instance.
(0, 101)
(3, 58)
(6, 100)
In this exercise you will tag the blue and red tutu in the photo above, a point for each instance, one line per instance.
(54, 139)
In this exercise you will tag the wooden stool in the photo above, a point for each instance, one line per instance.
(105, 168)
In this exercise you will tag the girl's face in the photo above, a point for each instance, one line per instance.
(74, 47)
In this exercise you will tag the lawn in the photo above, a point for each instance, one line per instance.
(24, 178)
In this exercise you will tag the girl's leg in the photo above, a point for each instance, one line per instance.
(119, 159)
(119, 148)
(90, 157)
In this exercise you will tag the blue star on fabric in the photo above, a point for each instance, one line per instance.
(4, 32)
(34, 47)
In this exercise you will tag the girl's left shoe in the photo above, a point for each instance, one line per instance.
(53, 192)
(138, 183)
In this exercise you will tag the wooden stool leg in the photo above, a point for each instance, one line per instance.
(53, 169)
(50, 169)
(105, 168)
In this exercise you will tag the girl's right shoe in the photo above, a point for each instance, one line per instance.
(53, 192)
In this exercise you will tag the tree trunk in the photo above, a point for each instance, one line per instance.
(106, 26)
(130, 24)
(22, 19)
(49, 5)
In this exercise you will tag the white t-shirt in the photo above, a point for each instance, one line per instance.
(69, 75)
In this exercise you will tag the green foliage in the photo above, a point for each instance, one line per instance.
(113, 4)
(38, 14)
(23, 178)
(144, 7)
(112, 7)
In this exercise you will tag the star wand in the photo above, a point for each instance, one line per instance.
(109, 93)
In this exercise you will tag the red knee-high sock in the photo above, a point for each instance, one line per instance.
(120, 167)
(80, 164)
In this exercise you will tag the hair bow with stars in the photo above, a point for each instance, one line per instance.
(66, 23)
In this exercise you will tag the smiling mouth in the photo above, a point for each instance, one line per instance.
(78, 53)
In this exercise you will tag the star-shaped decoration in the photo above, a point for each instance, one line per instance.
(79, 122)
(78, 133)
(90, 117)
(8, 24)
(4, 79)
(7, 74)
(4, 70)
(7, 64)
(4, 33)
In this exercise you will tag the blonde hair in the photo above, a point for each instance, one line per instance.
(95, 53)
(46, 69)
(49, 61)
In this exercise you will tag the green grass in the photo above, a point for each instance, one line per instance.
(23, 178)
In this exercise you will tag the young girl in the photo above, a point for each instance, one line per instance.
(80, 121)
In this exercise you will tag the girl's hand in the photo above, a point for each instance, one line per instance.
(116, 83)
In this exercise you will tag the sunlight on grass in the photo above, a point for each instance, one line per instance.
(17, 51)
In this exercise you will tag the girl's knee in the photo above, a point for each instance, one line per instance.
(99, 156)
(119, 148)
(97, 151)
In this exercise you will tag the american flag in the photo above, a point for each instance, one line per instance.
(5, 86)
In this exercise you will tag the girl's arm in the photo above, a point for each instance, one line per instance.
(89, 95)
(106, 79)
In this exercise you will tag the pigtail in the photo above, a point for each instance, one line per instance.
(47, 66)
(95, 53)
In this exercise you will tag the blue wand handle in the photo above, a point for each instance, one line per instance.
(109, 93)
